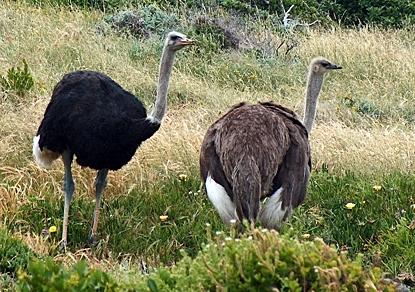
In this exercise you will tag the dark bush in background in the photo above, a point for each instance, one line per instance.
(384, 13)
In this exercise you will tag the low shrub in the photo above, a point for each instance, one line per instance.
(143, 22)
(266, 261)
(17, 80)
(14, 254)
(258, 260)
(49, 276)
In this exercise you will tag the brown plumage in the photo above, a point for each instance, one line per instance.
(261, 151)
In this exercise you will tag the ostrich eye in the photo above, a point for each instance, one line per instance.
(324, 64)
(175, 37)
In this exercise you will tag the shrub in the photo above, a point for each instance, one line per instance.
(390, 13)
(18, 80)
(14, 254)
(143, 22)
(85, 4)
(255, 261)
(266, 261)
(49, 276)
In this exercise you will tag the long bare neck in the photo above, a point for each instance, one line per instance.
(314, 84)
(166, 66)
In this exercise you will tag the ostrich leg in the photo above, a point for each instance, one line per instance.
(68, 188)
(100, 183)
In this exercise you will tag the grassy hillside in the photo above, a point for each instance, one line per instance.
(363, 136)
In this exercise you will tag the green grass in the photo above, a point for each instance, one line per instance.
(130, 223)
(376, 223)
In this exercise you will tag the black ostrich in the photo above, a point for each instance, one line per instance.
(94, 118)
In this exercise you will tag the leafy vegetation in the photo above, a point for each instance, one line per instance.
(143, 22)
(255, 261)
(391, 13)
(18, 80)
(49, 276)
(14, 253)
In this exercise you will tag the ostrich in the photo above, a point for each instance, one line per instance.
(95, 119)
(261, 152)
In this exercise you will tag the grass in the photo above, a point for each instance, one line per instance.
(363, 138)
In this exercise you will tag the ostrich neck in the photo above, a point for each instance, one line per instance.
(166, 66)
(314, 84)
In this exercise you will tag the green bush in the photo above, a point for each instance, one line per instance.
(256, 261)
(144, 21)
(85, 4)
(18, 80)
(49, 276)
(389, 13)
(266, 261)
(14, 254)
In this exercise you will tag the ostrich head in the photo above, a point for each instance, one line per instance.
(321, 65)
(176, 41)
(318, 67)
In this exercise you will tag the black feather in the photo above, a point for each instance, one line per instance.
(93, 117)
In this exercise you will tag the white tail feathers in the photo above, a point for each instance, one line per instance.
(44, 158)
(272, 214)
(220, 200)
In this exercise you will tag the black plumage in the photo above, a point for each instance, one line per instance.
(119, 124)
(93, 118)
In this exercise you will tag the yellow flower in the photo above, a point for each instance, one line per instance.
(361, 223)
(306, 236)
(182, 176)
(53, 229)
(163, 217)
(350, 206)
(377, 188)
(413, 207)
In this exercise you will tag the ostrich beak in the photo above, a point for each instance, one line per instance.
(186, 42)
(334, 67)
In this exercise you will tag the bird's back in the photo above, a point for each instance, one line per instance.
(94, 117)
(252, 144)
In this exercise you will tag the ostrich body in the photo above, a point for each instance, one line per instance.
(95, 119)
(261, 151)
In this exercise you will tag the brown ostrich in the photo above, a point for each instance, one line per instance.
(95, 119)
(261, 152)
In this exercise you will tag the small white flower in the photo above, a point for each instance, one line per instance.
(250, 237)
(218, 232)
(232, 221)
(228, 238)
(207, 224)
(207, 245)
